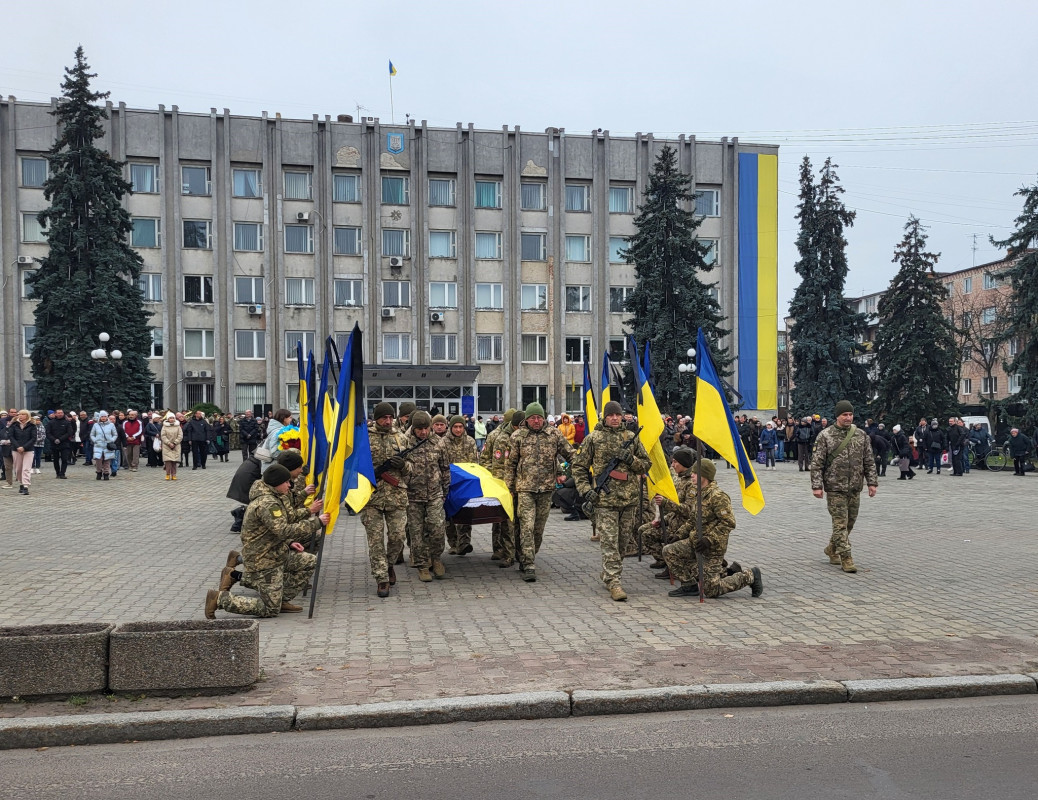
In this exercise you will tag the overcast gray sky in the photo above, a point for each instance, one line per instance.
(929, 108)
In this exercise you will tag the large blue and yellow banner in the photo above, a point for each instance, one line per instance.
(758, 280)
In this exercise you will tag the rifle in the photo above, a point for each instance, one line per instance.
(601, 482)
(382, 470)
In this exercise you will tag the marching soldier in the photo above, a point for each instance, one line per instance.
(495, 458)
(403, 422)
(460, 448)
(439, 425)
(614, 449)
(429, 481)
(385, 515)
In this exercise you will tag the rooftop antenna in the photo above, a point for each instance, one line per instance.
(360, 108)
(974, 249)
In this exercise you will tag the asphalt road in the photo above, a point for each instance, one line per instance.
(978, 748)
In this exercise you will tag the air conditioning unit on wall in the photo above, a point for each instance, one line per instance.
(203, 374)
(303, 216)
(436, 316)
(256, 310)
(189, 374)
(26, 260)
(396, 262)
(388, 313)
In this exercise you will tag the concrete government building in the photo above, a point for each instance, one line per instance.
(482, 265)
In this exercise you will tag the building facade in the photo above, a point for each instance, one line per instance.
(482, 265)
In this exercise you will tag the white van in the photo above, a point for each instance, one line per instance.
(984, 422)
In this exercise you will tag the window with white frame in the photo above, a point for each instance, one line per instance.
(199, 343)
(489, 401)
(534, 394)
(299, 185)
(28, 334)
(248, 237)
(198, 234)
(147, 232)
(396, 347)
(575, 399)
(396, 242)
(991, 281)
(26, 286)
(617, 350)
(488, 245)
(989, 385)
(443, 295)
(578, 298)
(349, 292)
(1014, 346)
(342, 340)
(578, 349)
(196, 180)
(299, 291)
(250, 345)
(396, 190)
(949, 286)
(345, 188)
(156, 343)
(1014, 383)
(198, 393)
(308, 338)
(617, 247)
(246, 182)
(710, 256)
(533, 196)
(534, 348)
(292, 393)
(34, 172)
(158, 391)
(618, 298)
(533, 297)
(443, 192)
(443, 347)
(967, 319)
(988, 348)
(144, 178)
(396, 294)
(346, 242)
(443, 244)
(33, 230)
(987, 316)
(708, 202)
(621, 199)
(488, 194)
(248, 291)
(870, 305)
(249, 395)
(489, 295)
(150, 284)
(533, 246)
(299, 238)
(489, 348)
(967, 353)
(967, 386)
(967, 285)
(578, 248)
(578, 197)
(198, 288)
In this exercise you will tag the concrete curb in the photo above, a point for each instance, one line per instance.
(141, 726)
(478, 708)
(716, 695)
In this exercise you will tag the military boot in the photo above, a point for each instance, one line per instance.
(228, 577)
(757, 587)
(212, 600)
(847, 563)
(833, 558)
(438, 570)
(617, 592)
(424, 575)
(289, 608)
(383, 589)
(392, 578)
(232, 559)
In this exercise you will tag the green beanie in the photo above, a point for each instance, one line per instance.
(534, 410)
(844, 407)
(457, 418)
(421, 419)
(382, 410)
(290, 459)
(612, 407)
(508, 415)
(276, 474)
(706, 468)
(407, 409)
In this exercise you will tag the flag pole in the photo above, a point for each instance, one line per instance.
(392, 112)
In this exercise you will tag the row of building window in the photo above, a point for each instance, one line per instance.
(396, 190)
(990, 385)
(991, 281)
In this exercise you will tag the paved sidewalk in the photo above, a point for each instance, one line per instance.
(946, 587)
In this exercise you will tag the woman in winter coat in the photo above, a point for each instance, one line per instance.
(768, 443)
(22, 434)
(41, 442)
(903, 447)
(171, 436)
(567, 428)
(221, 434)
(104, 438)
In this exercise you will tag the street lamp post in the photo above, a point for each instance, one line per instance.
(689, 368)
(111, 359)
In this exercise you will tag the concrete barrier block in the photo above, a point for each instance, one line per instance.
(478, 708)
(716, 695)
(936, 688)
(184, 654)
(53, 659)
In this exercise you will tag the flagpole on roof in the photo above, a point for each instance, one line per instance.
(392, 113)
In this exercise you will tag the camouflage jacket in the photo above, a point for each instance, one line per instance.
(496, 449)
(270, 526)
(386, 443)
(678, 514)
(293, 500)
(718, 518)
(430, 470)
(460, 449)
(530, 466)
(853, 465)
(600, 448)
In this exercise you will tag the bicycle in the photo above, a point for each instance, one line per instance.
(999, 457)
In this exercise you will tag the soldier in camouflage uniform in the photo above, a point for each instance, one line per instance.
(495, 458)
(429, 481)
(718, 522)
(385, 515)
(841, 463)
(439, 425)
(403, 423)
(673, 516)
(617, 505)
(530, 472)
(277, 571)
(460, 448)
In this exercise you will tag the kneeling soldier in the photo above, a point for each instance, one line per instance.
(718, 522)
(673, 516)
(277, 571)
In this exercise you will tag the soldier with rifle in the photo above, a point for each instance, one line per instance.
(607, 471)
(430, 479)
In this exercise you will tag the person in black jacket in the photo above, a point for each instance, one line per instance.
(1020, 449)
(249, 435)
(198, 432)
(84, 437)
(61, 432)
(956, 445)
(880, 449)
(247, 474)
(152, 431)
(899, 441)
(934, 442)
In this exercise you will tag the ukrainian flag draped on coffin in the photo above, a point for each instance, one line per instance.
(471, 482)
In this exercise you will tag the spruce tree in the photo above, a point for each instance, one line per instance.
(827, 364)
(88, 283)
(915, 345)
(670, 302)
(1023, 277)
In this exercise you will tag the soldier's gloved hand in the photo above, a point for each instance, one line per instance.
(590, 496)
(700, 544)
(626, 456)
(396, 462)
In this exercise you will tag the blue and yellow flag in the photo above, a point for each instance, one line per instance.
(651, 421)
(318, 455)
(306, 417)
(471, 482)
(713, 425)
(358, 483)
(606, 378)
(590, 408)
(392, 69)
(647, 367)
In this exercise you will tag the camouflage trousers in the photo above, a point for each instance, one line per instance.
(843, 508)
(385, 530)
(459, 536)
(681, 560)
(615, 528)
(532, 517)
(425, 523)
(274, 586)
(652, 540)
(503, 537)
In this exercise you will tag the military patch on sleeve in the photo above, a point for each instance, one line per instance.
(276, 512)
(497, 454)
